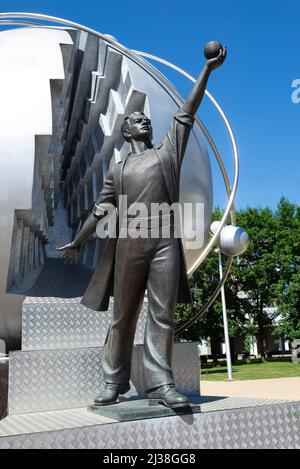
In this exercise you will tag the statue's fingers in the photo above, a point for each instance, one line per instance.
(65, 255)
(74, 260)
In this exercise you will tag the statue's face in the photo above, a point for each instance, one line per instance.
(139, 127)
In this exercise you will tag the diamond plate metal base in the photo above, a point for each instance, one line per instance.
(272, 426)
(63, 379)
(61, 323)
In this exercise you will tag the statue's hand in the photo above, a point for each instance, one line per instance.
(216, 62)
(71, 253)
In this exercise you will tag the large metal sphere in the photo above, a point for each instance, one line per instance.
(40, 109)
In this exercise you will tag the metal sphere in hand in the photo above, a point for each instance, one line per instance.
(212, 49)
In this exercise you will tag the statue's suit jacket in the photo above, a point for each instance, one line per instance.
(170, 153)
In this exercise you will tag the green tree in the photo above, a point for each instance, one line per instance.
(257, 272)
(288, 287)
(251, 285)
(203, 284)
(267, 274)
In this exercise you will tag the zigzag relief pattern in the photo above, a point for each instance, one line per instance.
(32, 228)
(46, 183)
(96, 138)
(61, 102)
(27, 254)
(88, 107)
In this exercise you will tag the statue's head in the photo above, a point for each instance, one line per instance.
(137, 126)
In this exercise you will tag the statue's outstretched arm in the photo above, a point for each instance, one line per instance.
(194, 100)
(71, 251)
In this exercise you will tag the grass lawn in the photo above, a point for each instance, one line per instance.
(266, 370)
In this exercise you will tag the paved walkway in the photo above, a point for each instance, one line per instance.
(283, 388)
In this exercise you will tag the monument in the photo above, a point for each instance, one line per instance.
(72, 102)
(150, 174)
(65, 154)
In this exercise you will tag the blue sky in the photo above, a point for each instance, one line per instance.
(254, 86)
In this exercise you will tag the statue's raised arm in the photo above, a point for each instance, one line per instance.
(215, 54)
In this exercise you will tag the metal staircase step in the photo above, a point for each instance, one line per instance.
(60, 323)
(229, 423)
(62, 379)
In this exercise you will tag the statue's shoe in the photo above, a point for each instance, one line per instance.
(168, 396)
(111, 393)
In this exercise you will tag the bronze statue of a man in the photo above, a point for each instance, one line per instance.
(129, 266)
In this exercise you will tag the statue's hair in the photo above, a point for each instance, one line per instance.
(124, 125)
